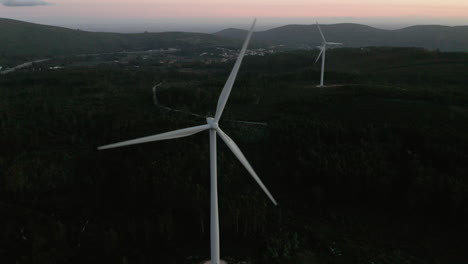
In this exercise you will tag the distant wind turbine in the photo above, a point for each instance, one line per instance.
(212, 126)
(323, 50)
(155, 97)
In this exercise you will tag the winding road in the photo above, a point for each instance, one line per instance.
(23, 65)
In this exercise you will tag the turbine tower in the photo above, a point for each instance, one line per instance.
(323, 50)
(214, 129)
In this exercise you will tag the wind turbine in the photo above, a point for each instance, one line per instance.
(323, 50)
(214, 129)
(155, 97)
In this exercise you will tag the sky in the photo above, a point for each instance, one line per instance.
(213, 15)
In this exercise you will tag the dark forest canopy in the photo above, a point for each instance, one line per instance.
(363, 172)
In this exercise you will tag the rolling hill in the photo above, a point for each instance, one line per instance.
(354, 35)
(28, 40)
(23, 41)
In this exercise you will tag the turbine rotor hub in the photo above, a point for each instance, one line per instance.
(212, 123)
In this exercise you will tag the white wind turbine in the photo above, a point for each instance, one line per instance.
(323, 50)
(212, 126)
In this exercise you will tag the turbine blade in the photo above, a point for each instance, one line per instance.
(238, 153)
(232, 77)
(323, 37)
(248, 122)
(168, 135)
(320, 54)
(334, 43)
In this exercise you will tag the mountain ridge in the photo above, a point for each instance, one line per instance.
(29, 40)
(24, 41)
(446, 38)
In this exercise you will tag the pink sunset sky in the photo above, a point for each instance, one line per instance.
(177, 13)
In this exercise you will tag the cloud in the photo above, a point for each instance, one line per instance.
(14, 3)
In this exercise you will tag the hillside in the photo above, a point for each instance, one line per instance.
(22, 41)
(363, 172)
(354, 35)
(28, 40)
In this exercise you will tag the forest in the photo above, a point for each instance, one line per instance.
(370, 170)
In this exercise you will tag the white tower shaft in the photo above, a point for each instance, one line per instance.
(214, 220)
(322, 73)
